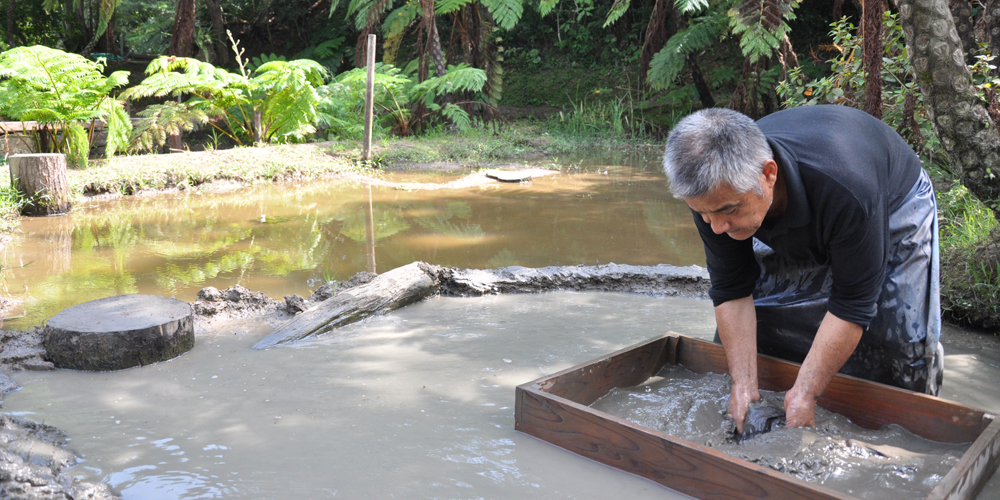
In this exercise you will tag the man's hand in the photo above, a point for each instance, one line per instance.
(737, 321)
(835, 341)
(739, 399)
(800, 409)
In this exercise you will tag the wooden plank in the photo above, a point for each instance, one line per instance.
(868, 404)
(677, 464)
(630, 366)
(966, 480)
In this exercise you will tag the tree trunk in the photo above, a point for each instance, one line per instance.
(10, 24)
(704, 91)
(433, 47)
(961, 12)
(219, 28)
(119, 332)
(182, 41)
(871, 29)
(391, 290)
(960, 119)
(42, 180)
(991, 22)
(657, 34)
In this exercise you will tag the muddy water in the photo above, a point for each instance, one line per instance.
(883, 464)
(418, 404)
(283, 239)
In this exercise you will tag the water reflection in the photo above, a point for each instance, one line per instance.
(291, 238)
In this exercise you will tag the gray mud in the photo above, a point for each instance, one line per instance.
(216, 308)
(33, 456)
(888, 463)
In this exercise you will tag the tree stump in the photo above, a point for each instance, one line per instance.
(42, 179)
(119, 332)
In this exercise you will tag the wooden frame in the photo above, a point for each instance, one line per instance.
(555, 409)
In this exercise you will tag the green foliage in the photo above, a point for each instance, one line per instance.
(258, 61)
(341, 112)
(762, 25)
(341, 105)
(105, 10)
(283, 93)
(159, 121)
(701, 34)
(506, 13)
(61, 91)
(846, 85)
(963, 220)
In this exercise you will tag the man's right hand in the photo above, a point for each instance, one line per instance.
(737, 323)
(740, 397)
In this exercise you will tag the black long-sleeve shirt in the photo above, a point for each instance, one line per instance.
(844, 172)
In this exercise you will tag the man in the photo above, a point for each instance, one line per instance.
(820, 234)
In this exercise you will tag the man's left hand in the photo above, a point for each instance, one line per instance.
(800, 409)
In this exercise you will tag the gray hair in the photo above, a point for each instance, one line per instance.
(713, 147)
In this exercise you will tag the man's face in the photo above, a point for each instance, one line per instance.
(737, 214)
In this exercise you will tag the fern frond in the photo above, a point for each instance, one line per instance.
(119, 126)
(398, 20)
(618, 9)
(459, 78)
(279, 73)
(77, 144)
(159, 121)
(458, 116)
(448, 6)
(667, 64)
(546, 6)
(505, 12)
(761, 25)
(691, 6)
(105, 11)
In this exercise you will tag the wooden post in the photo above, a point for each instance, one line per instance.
(366, 153)
(42, 179)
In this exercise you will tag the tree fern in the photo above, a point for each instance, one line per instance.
(702, 33)
(159, 121)
(284, 92)
(459, 78)
(448, 6)
(761, 25)
(506, 12)
(61, 90)
(618, 9)
(457, 115)
(546, 6)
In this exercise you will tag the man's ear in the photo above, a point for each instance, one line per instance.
(770, 172)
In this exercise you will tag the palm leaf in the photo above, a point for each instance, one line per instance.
(702, 33)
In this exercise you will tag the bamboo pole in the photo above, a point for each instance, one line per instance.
(369, 100)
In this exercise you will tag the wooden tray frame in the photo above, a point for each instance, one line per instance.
(555, 409)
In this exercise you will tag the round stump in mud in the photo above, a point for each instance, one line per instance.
(119, 332)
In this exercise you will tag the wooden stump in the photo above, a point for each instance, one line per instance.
(119, 332)
(42, 179)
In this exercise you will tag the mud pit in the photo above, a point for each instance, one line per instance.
(415, 404)
(888, 463)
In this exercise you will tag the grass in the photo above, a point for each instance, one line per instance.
(970, 260)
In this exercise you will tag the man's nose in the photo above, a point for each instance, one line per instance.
(719, 225)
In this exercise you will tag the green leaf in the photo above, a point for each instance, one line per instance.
(505, 12)
(701, 34)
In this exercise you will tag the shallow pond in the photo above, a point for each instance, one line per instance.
(290, 238)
